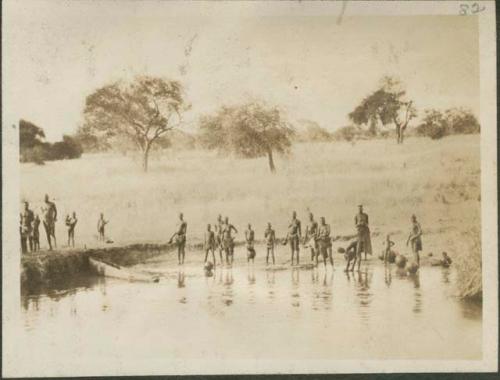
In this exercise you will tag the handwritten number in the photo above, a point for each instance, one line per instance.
(474, 8)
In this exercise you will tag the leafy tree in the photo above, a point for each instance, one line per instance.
(437, 124)
(141, 111)
(462, 121)
(249, 130)
(386, 105)
(30, 134)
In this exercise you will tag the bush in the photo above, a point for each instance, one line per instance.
(437, 124)
(349, 133)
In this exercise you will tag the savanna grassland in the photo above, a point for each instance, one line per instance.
(438, 181)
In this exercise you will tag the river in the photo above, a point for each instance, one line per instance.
(254, 313)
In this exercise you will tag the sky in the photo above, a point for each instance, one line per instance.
(309, 64)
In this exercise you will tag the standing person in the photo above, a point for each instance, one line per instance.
(71, 223)
(218, 230)
(49, 221)
(24, 235)
(293, 237)
(36, 233)
(270, 237)
(364, 241)
(180, 238)
(324, 241)
(27, 223)
(388, 245)
(311, 239)
(415, 238)
(250, 239)
(210, 243)
(101, 223)
(228, 241)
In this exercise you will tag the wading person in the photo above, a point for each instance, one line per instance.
(388, 248)
(310, 238)
(352, 255)
(250, 240)
(210, 243)
(49, 221)
(324, 241)
(270, 237)
(219, 237)
(71, 223)
(415, 239)
(27, 222)
(228, 240)
(36, 233)
(293, 237)
(364, 241)
(101, 224)
(180, 238)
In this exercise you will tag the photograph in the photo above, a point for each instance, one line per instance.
(249, 187)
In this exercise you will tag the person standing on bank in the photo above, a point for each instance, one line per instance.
(49, 221)
(180, 238)
(364, 241)
(415, 238)
(36, 233)
(270, 237)
(27, 221)
(101, 223)
(71, 223)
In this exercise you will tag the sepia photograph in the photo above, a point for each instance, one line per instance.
(223, 187)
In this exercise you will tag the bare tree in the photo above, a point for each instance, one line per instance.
(142, 111)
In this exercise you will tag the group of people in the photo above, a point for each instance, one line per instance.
(29, 227)
(316, 237)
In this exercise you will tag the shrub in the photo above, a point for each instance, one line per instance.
(437, 124)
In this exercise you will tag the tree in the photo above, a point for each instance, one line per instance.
(249, 130)
(462, 121)
(434, 125)
(387, 105)
(437, 124)
(142, 111)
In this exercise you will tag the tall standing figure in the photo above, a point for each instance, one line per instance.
(364, 241)
(415, 238)
(180, 238)
(27, 224)
(36, 233)
(294, 236)
(219, 237)
(101, 224)
(324, 242)
(250, 239)
(49, 221)
(228, 240)
(311, 239)
(209, 243)
(270, 237)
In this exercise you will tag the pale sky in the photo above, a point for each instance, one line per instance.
(57, 52)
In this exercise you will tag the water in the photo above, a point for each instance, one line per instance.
(245, 313)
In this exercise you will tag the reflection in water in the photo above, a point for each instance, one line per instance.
(251, 283)
(181, 279)
(363, 294)
(445, 272)
(295, 287)
(322, 296)
(388, 275)
(415, 278)
(271, 280)
(227, 294)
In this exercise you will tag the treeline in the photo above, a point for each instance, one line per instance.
(33, 148)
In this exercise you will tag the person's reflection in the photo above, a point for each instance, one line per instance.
(251, 275)
(388, 275)
(445, 273)
(348, 276)
(229, 277)
(270, 277)
(315, 275)
(181, 279)
(295, 277)
(415, 278)
(327, 279)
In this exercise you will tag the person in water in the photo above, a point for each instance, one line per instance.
(180, 239)
(415, 239)
(250, 239)
(351, 255)
(388, 245)
(210, 243)
(270, 237)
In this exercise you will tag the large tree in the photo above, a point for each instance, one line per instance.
(142, 110)
(249, 130)
(388, 104)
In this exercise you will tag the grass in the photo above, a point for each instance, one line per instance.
(439, 181)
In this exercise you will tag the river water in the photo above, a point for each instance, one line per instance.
(254, 313)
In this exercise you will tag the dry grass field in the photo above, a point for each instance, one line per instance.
(438, 181)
